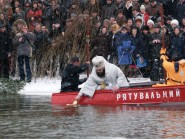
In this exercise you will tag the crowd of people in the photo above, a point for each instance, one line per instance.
(131, 31)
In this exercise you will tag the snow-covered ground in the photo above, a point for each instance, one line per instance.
(47, 86)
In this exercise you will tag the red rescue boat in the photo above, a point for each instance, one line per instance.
(167, 95)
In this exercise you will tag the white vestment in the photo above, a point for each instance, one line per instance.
(113, 76)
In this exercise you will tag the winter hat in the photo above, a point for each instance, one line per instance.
(159, 19)
(174, 21)
(124, 27)
(98, 62)
(169, 17)
(150, 21)
(139, 19)
(145, 28)
(157, 25)
(142, 7)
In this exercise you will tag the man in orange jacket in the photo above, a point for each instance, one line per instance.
(175, 69)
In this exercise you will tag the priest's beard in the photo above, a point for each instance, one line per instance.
(101, 73)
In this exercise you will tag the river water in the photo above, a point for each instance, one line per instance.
(33, 117)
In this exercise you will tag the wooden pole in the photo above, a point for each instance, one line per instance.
(163, 34)
(162, 22)
(87, 19)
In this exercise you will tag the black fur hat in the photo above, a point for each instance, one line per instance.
(145, 28)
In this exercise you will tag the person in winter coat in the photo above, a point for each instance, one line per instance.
(138, 52)
(125, 50)
(104, 76)
(153, 10)
(183, 27)
(108, 10)
(57, 23)
(24, 43)
(136, 14)
(175, 69)
(70, 75)
(5, 52)
(34, 16)
(102, 44)
(41, 37)
(119, 4)
(120, 18)
(127, 10)
(174, 23)
(145, 16)
(19, 14)
(180, 10)
(47, 15)
(177, 42)
(146, 37)
(74, 10)
(150, 24)
(5, 22)
(156, 43)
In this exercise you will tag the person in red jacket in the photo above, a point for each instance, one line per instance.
(34, 16)
(144, 14)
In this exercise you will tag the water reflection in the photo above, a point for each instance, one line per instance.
(10, 102)
(58, 110)
(34, 117)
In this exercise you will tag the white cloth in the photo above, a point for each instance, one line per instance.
(113, 76)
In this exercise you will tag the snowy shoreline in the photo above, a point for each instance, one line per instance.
(47, 86)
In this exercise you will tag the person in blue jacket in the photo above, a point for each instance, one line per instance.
(125, 50)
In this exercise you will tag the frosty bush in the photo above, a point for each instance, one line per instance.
(10, 86)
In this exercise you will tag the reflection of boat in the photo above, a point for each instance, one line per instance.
(165, 95)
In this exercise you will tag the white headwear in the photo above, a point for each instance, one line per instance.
(142, 7)
(174, 21)
(150, 21)
(98, 62)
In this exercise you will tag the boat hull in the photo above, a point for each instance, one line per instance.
(137, 96)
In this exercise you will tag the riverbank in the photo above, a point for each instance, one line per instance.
(47, 86)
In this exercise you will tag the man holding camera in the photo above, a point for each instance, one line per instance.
(24, 43)
(156, 42)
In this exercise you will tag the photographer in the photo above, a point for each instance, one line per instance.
(157, 72)
(24, 43)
